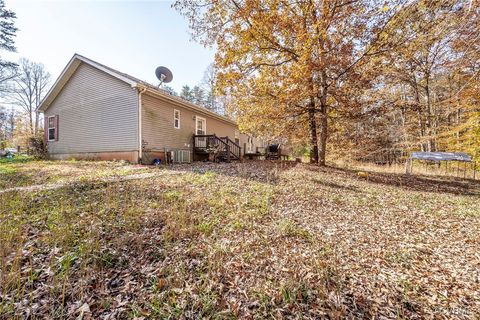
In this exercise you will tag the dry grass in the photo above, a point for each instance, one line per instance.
(24, 171)
(253, 240)
(460, 170)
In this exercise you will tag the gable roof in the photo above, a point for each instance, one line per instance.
(77, 59)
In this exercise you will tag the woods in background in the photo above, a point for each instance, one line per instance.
(426, 96)
(20, 123)
(361, 80)
(371, 77)
(205, 93)
(22, 87)
(29, 86)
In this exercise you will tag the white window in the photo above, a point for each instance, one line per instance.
(201, 127)
(176, 119)
(52, 135)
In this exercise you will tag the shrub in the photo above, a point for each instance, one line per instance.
(37, 147)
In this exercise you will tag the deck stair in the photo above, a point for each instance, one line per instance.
(220, 148)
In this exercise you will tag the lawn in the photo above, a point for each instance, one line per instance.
(242, 240)
(25, 171)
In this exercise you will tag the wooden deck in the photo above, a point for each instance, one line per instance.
(217, 148)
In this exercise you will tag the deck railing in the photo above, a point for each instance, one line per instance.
(223, 146)
(234, 148)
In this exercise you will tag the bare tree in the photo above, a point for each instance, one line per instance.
(3, 124)
(30, 86)
(7, 123)
(7, 74)
(208, 82)
(213, 101)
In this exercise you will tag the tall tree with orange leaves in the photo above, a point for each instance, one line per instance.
(426, 94)
(287, 64)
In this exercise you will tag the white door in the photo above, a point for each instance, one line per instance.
(201, 129)
(250, 145)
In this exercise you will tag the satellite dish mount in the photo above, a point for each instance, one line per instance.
(164, 75)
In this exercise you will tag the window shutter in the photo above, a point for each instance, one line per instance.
(45, 128)
(56, 127)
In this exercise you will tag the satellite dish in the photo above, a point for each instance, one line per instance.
(164, 75)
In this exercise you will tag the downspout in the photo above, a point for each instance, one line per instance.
(140, 141)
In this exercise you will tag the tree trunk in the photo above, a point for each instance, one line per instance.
(37, 116)
(30, 119)
(429, 118)
(312, 126)
(320, 157)
(323, 119)
(323, 134)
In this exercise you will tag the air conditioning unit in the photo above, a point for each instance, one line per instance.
(181, 156)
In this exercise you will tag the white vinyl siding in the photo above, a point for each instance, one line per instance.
(98, 113)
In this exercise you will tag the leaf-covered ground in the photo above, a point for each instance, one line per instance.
(24, 171)
(244, 240)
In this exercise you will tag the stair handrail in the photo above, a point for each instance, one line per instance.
(236, 151)
(231, 147)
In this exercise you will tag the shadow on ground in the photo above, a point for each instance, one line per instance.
(441, 184)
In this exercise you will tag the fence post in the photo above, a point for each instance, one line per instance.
(408, 166)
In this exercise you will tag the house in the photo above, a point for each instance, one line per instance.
(95, 112)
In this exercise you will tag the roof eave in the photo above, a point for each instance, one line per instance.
(45, 103)
(68, 72)
(186, 104)
(77, 59)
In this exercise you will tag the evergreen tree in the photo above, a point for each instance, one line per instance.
(186, 93)
(7, 32)
(169, 90)
(198, 96)
(208, 82)
(7, 42)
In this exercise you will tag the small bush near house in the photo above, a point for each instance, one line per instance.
(37, 147)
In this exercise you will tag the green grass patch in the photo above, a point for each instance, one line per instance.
(290, 228)
(16, 159)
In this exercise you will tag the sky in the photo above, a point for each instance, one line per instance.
(133, 37)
